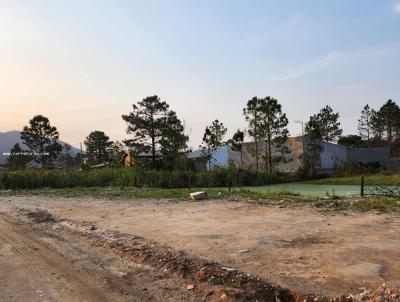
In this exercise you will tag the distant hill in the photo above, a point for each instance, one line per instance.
(10, 138)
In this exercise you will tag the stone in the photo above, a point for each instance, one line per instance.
(228, 269)
(198, 195)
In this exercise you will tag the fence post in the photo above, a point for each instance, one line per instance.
(229, 181)
(362, 186)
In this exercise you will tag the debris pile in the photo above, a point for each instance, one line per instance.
(39, 215)
(384, 293)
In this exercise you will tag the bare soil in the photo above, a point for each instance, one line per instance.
(302, 249)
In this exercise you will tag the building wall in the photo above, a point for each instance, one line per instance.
(290, 163)
(219, 158)
(369, 155)
(332, 155)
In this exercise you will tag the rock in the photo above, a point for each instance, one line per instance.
(223, 297)
(243, 251)
(228, 269)
(92, 227)
(190, 287)
(198, 195)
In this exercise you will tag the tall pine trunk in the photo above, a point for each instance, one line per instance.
(153, 151)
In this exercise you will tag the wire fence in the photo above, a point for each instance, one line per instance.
(379, 190)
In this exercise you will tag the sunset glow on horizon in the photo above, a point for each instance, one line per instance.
(84, 63)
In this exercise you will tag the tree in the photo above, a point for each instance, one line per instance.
(67, 158)
(41, 138)
(253, 115)
(273, 127)
(268, 123)
(173, 140)
(324, 125)
(115, 152)
(386, 122)
(352, 141)
(364, 123)
(97, 146)
(18, 158)
(236, 143)
(146, 122)
(311, 156)
(214, 135)
(213, 138)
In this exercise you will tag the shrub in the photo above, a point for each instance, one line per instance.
(129, 177)
(353, 168)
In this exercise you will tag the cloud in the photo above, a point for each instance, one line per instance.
(334, 58)
(316, 65)
(396, 8)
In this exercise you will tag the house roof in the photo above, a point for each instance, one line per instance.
(202, 153)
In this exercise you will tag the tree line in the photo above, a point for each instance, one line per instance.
(157, 132)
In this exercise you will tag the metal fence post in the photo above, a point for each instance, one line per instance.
(362, 186)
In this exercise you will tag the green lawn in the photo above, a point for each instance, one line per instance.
(307, 189)
(377, 179)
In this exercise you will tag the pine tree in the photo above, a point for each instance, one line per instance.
(386, 122)
(266, 122)
(274, 126)
(214, 135)
(18, 158)
(253, 116)
(97, 146)
(324, 125)
(236, 143)
(174, 140)
(212, 139)
(364, 123)
(41, 138)
(146, 122)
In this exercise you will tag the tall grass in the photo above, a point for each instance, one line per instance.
(33, 179)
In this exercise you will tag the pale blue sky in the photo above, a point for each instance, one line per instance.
(83, 63)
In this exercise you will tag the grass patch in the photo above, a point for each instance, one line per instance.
(149, 193)
(328, 204)
(378, 179)
(138, 178)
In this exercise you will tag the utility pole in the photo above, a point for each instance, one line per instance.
(81, 154)
(302, 126)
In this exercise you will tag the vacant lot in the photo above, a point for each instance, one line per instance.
(300, 248)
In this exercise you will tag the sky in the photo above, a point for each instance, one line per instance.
(84, 63)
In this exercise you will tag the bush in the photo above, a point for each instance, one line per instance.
(129, 177)
(353, 168)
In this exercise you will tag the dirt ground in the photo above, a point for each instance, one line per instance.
(302, 248)
(46, 268)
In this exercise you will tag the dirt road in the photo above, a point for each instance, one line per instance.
(28, 265)
(40, 267)
(299, 248)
